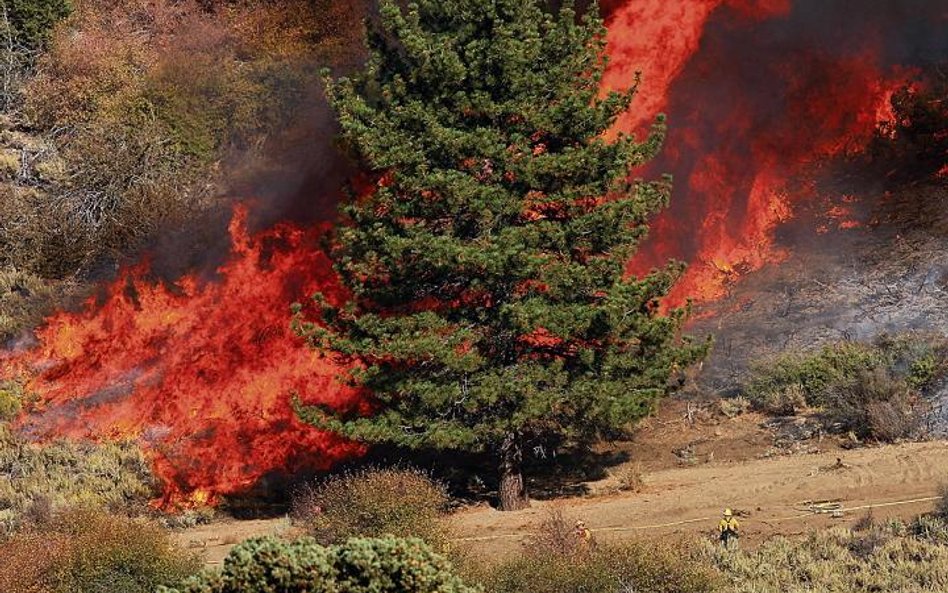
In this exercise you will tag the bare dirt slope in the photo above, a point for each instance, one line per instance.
(771, 493)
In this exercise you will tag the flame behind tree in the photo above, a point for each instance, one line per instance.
(489, 306)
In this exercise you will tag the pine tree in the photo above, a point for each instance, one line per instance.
(490, 308)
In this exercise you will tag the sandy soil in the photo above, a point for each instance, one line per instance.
(772, 495)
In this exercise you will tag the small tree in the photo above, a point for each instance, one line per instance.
(489, 300)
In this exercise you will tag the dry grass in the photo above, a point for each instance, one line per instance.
(874, 558)
(630, 477)
(732, 407)
(941, 507)
(555, 562)
(24, 299)
(9, 164)
(64, 473)
(81, 551)
(555, 535)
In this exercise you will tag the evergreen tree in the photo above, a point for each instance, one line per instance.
(30, 21)
(490, 308)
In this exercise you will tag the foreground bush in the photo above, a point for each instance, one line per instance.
(387, 565)
(605, 569)
(66, 473)
(372, 503)
(90, 552)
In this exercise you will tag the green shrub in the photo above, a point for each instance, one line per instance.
(786, 401)
(924, 370)
(920, 358)
(371, 503)
(66, 473)
(876, 390)
(11, 400)
(876, 405)
(811, 374)
(389, 565)
(82, 551)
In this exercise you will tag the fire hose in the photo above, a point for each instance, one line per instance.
(834, 508)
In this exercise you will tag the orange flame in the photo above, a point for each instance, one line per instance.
(200, 371)
(731, 170)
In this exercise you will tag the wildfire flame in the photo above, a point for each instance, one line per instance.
(201, 371)
(731, 150)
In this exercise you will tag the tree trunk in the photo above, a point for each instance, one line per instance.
(512, 492)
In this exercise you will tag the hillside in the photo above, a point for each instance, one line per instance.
(473, 296)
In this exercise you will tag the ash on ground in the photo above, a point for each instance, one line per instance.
(886, 274)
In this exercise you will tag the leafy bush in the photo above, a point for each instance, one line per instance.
(82, 551)
(389, 565)
(785, 401)
(811, 374)
(372, 503)
(875, 390)
(66, 473)
(876, 405)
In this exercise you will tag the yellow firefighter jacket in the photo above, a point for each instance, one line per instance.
(729, 524)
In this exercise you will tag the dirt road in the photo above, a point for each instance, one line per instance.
(896, 480)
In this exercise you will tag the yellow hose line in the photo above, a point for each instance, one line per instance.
(877, 505)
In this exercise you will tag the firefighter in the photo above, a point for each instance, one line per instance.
(583, 534)
(729, 528)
